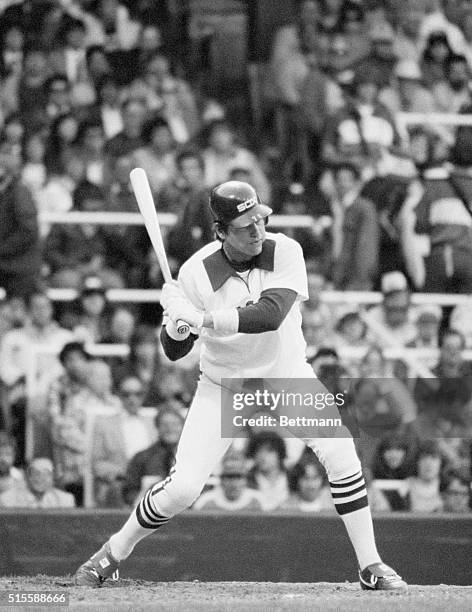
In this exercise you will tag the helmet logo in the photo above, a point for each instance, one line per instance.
(247, 204)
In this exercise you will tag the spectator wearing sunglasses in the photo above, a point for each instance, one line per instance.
(116, 440)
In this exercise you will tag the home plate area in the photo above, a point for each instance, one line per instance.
(139, 595)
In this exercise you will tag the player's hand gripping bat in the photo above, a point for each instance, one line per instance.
(142, 191)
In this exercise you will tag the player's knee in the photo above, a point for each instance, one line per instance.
(183, 493)
(339, 458)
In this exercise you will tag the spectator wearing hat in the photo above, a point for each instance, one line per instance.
(357, 265)
(74, 252)
(395, 315)
(427, 323)
(39, 492)
(158, 154)
(232, 494)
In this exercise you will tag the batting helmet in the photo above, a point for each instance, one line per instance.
(237, 203)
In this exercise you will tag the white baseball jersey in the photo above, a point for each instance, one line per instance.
(210, 283)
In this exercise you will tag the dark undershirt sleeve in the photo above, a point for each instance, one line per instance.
(176, 349)
(269, 312)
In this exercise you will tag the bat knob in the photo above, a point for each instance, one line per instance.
(183, 328)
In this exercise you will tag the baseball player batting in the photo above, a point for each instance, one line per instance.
(241, 294)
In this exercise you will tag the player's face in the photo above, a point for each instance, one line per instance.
(246, 242)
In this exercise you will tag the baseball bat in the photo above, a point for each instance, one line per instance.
(143, 194)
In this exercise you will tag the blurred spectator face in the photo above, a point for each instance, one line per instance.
(410, 22)
(133, 116)
(99, 378)
(131, 393)
(93, 139)
(74, 166)
(396, 307)
(316, 284)
(35, 64)
(75, 364)
(93, 304)
(458, 75)
(429, 467)
(109, 93)
(122, 325)
(146, 351)
(34, 149)
(14, 39)
(7, 458)
(408, 89)
(427, 327)
(221, 139)
(40, 476)
(158, 67)
(151, 39)
(75, 38)
(17, 313)
(353, 329)
(10, 159)
(92, 205)
(191, 170)
(14, 131)
(98, 65)
(309, 12)
(233, 485)
(451, 350)
(162, 140)
(419, 148)
(266, 459)
(345, 181)
(366, 93)
(373, 364)
(170, 428)
(439, 51)
(67, 129)
(40, 310)
(310, 483)
(456, 496)
(394, 457)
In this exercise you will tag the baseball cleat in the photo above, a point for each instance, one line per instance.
(97, 569)
(380, 577)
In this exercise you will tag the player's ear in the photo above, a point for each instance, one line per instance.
(220, 230)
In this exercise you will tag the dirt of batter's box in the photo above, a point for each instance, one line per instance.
(142, 596)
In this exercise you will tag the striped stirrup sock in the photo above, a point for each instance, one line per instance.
(146, 513)
(349, 494)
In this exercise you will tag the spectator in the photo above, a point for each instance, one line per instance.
(129, 138)
(58, 98)
(143, 362)
(10, 476)
(39, 492)
(232, 493)
(31, 92)
(154, 462)
(91, 324)
(363, 131)
(452, 93)
(33, 174)
(13, 132)
(409, 95)
(109, 109)
(222, 155)
(356, 267)
(381, 59)
(308, 485)
(69, 57)
(177, 99)
(268, 475)
(11, 56)
(427, 325)
(74, 252)
(90, 146)
(157, 156)
(423, 489)
(62, 134)
(435, 56)
(461, 319)
(394, 459)
(19, 235)
(407, 44)
(116, 440)
(72, 430)
(455, 491)
(98, 65)
(395, 317)
(351, 330)
(194, 226)
(122, 326)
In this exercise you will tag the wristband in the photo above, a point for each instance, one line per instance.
(172, 332)
(226, 321)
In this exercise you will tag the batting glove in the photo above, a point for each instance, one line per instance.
(183, 310)
(171, 291)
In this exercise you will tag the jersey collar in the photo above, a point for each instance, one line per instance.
(219, 269)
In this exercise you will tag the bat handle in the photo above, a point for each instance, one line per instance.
(182, 327)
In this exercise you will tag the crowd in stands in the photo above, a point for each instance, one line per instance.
(90, 89)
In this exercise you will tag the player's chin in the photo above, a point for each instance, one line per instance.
(255, 248)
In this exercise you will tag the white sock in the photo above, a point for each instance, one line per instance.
(123, 542)
(361, 533)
